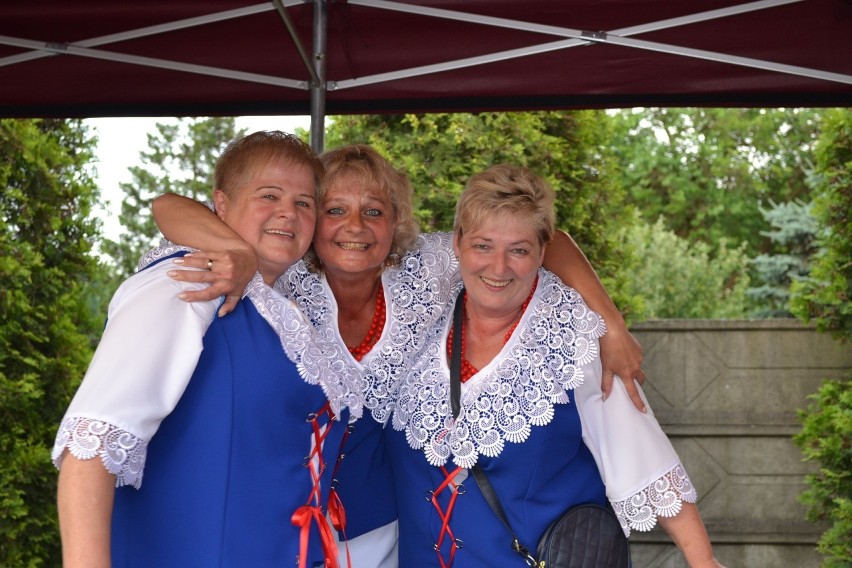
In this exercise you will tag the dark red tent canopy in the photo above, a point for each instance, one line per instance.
(85, 58)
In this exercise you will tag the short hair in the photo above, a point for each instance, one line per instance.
(374, 171)
(506, 188)
(243, 156)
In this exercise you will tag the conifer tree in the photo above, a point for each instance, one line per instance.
(47, 318)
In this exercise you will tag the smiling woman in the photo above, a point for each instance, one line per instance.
(514, 388)
(271, 205)
(226, 400)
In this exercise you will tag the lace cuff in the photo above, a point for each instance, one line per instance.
(122, 453)
(662, 498)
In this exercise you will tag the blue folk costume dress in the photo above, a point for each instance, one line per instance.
(535, 421)
(417, 292)
(235, 422)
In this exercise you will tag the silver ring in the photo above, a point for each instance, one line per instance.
(209, 264)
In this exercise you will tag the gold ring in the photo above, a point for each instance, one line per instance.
(209, 264)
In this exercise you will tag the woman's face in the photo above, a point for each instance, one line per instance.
(355, 228)
(274, 211)
(499, 261)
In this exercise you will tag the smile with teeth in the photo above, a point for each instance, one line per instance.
(495, 283)
(279, 232)
(354, 246)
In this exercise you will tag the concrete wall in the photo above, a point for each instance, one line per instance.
(726, 392)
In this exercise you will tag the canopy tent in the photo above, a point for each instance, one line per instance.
(238, 57)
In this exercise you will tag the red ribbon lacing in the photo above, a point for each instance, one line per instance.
(336, 511)
(312, 509)
(446, 532)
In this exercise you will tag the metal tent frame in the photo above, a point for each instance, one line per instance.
(319, 84)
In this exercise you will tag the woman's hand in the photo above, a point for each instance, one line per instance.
(621, 355)
(227, 272)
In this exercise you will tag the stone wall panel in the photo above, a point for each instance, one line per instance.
(727, 394)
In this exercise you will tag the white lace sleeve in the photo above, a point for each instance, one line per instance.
(643, 474)
(146, 356)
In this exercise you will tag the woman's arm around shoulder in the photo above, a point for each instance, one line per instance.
(229, 261)
(621, 354)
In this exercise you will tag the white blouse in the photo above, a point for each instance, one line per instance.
(148, 353)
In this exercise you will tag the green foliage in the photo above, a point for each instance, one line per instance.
(707, 171)
(439, 152)
(180, 159)
(824, 297)
(793, 232)
(826, 438)
(677, 279)
(46, 321)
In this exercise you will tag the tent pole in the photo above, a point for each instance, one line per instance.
(318, 87)
(294, 35)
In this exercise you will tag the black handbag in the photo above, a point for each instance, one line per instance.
(585, 536)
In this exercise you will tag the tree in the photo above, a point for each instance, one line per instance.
(708, 171)
(678, 279)
(824, 297)
(793, 231)
(46, 318)
(439, 152)
(180, 159)
(824, 439)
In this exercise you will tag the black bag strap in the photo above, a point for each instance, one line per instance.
(455, 403)
(455, 358)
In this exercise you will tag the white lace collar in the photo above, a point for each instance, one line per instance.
(319, 361)
(417, 292)
(535, 370)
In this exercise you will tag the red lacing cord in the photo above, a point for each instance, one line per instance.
(446, 531)
(303, 516)
(336, 510)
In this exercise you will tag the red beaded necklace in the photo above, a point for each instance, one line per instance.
(467, 370)
(376, 328)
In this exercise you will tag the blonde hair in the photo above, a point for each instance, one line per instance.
(506, 188)
(244, 155)
(374, 171)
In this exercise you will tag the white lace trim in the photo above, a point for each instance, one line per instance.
(318, 358)
(318, 361)
(516, 391)
(417, 293)
(164, 249)
(122, 453)
(662, 498)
